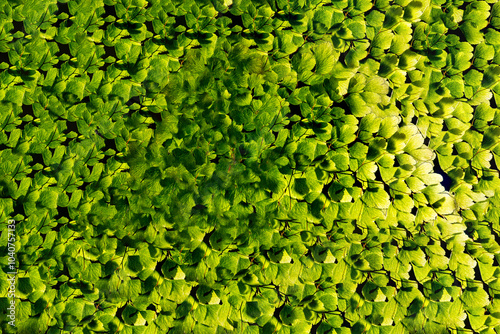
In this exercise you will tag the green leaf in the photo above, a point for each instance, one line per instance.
(325, 56)
(376, 197)
(475, 297)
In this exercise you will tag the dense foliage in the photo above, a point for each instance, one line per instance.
(267, 166)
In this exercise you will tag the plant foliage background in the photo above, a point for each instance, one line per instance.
(297, 166)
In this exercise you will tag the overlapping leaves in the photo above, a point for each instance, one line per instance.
(291, 166)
